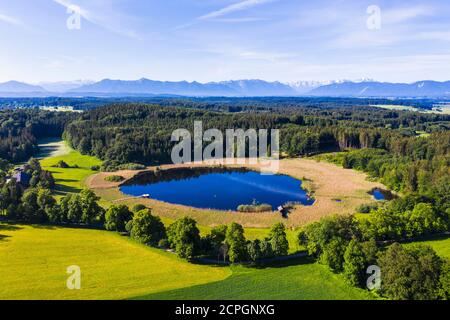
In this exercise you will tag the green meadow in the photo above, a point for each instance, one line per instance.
(34, 259)
(440, 244)
(296, 280)
(70, 179)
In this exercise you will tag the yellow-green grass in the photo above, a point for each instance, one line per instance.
(294, 280)
(70, 179)
(440, 244)
(52, 147)
(34, 261)
(422, 134)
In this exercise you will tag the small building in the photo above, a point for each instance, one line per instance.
(22, 178)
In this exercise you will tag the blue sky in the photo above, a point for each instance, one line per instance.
(214, 40)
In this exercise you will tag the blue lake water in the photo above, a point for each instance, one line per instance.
(223, 190)
(380, 194)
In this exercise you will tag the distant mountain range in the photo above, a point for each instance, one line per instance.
(64, 86)
(19, 87)
(184, 88)
(234, 88)
(383, 89)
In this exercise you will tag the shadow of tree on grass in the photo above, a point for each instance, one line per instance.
(4, 237)
(7, 226)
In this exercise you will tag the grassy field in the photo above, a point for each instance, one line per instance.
(440, 244)
(397, 107)
(70, 179)
(33, 262)
(304, 281)
(441, 109)
(34, 259)
(52, 147)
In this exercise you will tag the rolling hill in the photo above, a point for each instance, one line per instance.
(19, 87)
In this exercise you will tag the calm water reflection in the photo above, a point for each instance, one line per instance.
(217, 188)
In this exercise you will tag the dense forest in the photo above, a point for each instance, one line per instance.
(229, 104)
(140, 133)
(20, 129)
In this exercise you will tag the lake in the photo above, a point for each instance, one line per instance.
(380, 194)
(217, 188)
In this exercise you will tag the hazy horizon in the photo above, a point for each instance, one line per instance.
(324, 82)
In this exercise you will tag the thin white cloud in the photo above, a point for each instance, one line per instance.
(240, 20)
(434, 35)
(62, 61)
(217, 15)
(231, 52)
(397, 26)
(243, 5)
(100, 21)
(10, 20)
(398, 15)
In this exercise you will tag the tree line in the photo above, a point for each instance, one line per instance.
(405, 273)
(227, 242)
(139, 133)
(20, 130)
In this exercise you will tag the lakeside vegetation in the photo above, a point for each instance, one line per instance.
(255, 207)
(326, 181)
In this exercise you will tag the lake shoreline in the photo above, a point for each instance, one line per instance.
(324, 180)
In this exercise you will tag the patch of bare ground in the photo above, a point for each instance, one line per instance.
(336, 191)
